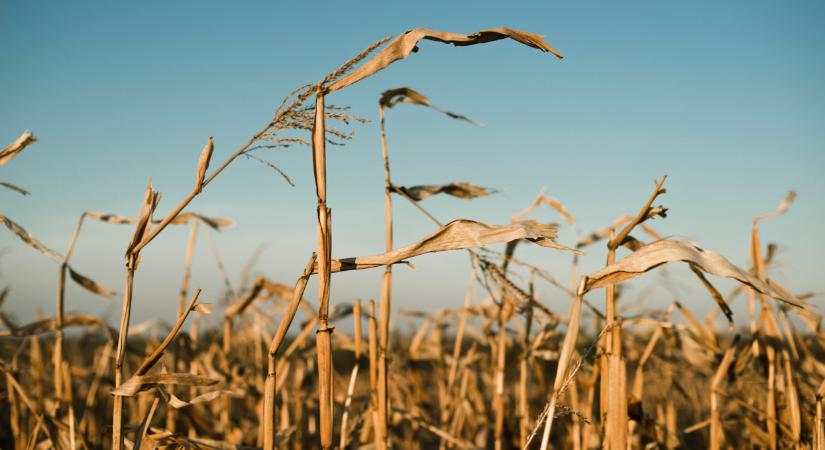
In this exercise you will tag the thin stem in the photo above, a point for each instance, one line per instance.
(154, 357)
(386, 292)
(117, 414)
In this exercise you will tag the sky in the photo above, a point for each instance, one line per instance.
(726, 98)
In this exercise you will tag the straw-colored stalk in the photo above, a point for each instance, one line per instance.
(567, 349)
(356, 314)
(187, 266)
(613, 384)
(146, 234)
(60, 311)
(523, 395)
(819, 427)
(717, 435)
(386, 292)
(505, 312)
(770, 349)
(323, 338)
(171, 413)
(156, 354)
(575, 432)
(373, 353)
(269, 414)
(614, 404)
(638, 378)
(58, 342)
(120, 352)
(452, 397)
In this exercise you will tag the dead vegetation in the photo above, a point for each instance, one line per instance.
(502, 371)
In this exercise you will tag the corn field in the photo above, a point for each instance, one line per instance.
(502, 371)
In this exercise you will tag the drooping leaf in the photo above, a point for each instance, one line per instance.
(89, 284)
(177, 403)
(458, 235)
(204, 308)
(141, 383)
(49, 324)
(781, 209)
(109, 218)
(666, 251)
(29, 239)
(402, 46)
(542, 199)
(392, 97)
(216, 223)
(15, 188)
(456, 189)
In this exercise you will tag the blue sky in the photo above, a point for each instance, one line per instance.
(726, 98)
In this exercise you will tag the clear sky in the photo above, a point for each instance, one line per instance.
(726, 98)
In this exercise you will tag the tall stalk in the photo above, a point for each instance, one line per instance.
(323, 338)
(269, 413)
(120, 353)
(613, 382)
(171, 413)
(386, 292)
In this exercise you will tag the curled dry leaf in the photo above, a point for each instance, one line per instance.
(717, 297)
(666, 251)
(177, 403)
(392, 97)
(781, 209)
(457, 189)
(562, 210)
(542, 199)
(150, 202)
(89, 284)
(204, 308)
(15, 188)
(216, 223)
(29, 239)
(203, 163)
(279, 290)
(110, 218)
(340, 311)
(46, 325)
(402, 46)
(458, 235)
(25, 139)
(141, 383)
(142, 327)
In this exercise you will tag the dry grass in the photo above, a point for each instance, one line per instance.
(502, 371)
